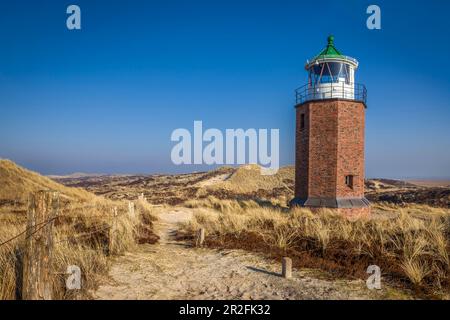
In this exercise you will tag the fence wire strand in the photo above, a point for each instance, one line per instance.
(41, 224)
(82, 235)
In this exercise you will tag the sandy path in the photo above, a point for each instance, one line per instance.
(173, 270)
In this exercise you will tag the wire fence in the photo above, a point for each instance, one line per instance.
(82, 235)
(38, 243)
(43, 224)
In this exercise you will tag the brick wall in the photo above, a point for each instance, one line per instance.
(302, 153)
(329, 147)
(350, 159)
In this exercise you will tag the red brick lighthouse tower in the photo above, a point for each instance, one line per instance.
(329, 164)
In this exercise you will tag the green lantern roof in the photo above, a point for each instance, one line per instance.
(330, 50)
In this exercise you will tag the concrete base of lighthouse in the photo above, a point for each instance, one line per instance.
(347, 207)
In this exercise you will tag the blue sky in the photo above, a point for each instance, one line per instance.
(106, 98)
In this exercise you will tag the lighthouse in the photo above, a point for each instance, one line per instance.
(330, 121)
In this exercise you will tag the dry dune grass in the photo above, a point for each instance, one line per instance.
(221, 205)
(416, 210)
(88, 230)
(17, 183)
(410, 250)
(82, 237)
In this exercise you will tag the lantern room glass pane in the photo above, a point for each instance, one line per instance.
(347, 73)
(329, 72)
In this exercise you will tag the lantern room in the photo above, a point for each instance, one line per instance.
(331, 75)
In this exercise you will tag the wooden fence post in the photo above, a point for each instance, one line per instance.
(286, 268)
(142, 197)
(200, 237)
(131, 211)
(113, 232)
(37, 282)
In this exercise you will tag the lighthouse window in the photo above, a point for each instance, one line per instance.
(349, 181)
(330, 72)
(302, 121)
(347, 74)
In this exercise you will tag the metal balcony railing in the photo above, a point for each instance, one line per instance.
(332, 90)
